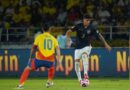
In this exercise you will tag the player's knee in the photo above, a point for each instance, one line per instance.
(84, 56)
(77, 60)
(77, 65)
(51, 68)
(76, 69)
(28, 68)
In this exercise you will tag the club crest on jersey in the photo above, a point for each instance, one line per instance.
(88, 31)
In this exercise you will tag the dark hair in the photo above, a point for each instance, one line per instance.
(45, 27)
(86, 16)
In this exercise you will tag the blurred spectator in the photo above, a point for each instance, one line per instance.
(5, 3)
(37, 11)
(27, 13)
(49, 13)
(117, 12)
(1, 29)
(122, 23)
(121, 3)
(72, 3)
(72, 15)
(49, 9)
(90, 8)
(68, 42)
(16, 18)
(9, 10)
(104, 15)
(128, 11)
(64, 40)
(61, 18)
(1, 9)
(36, 14)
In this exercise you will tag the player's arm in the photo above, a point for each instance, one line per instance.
(58, 55)
(68, 33)
(57, 51)
(72, 29)
(104, 41)
(32, 51)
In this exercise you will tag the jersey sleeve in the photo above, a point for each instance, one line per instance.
(95, 31)
(36, 41)
(74, 28)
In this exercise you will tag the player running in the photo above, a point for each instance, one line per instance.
(45, 44)
(85, 32)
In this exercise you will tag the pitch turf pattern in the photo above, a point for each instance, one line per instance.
(67, 84)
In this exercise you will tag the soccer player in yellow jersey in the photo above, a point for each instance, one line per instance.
(44, 48)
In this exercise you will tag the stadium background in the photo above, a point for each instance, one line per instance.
(20, 22)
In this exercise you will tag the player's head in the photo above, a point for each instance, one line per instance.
(45, 27)
(86, 19)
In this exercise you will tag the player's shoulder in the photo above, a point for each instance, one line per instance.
(78, 23)
(38, 36)
(92, 26)
(53, 37)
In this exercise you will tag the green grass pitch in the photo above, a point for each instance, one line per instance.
(67, 84)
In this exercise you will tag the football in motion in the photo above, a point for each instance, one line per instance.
(84, 83)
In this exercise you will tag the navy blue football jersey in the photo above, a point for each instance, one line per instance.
(84, 35)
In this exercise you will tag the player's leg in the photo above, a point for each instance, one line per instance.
(77, 69)
(50, 66)
(85, 58)
(47, 64)
(85, 64)
(24, 76)
(77, 64)
(51, 72)
(25, 73)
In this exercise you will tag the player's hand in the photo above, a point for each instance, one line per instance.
(108, 47)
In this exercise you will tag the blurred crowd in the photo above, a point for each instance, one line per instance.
(23, 13)
(29, 14)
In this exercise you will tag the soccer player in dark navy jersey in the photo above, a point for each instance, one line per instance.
(85, 33)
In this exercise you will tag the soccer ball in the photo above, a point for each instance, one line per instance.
(84, 83)
(49, 84)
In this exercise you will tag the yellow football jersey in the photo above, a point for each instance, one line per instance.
(46, 44)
